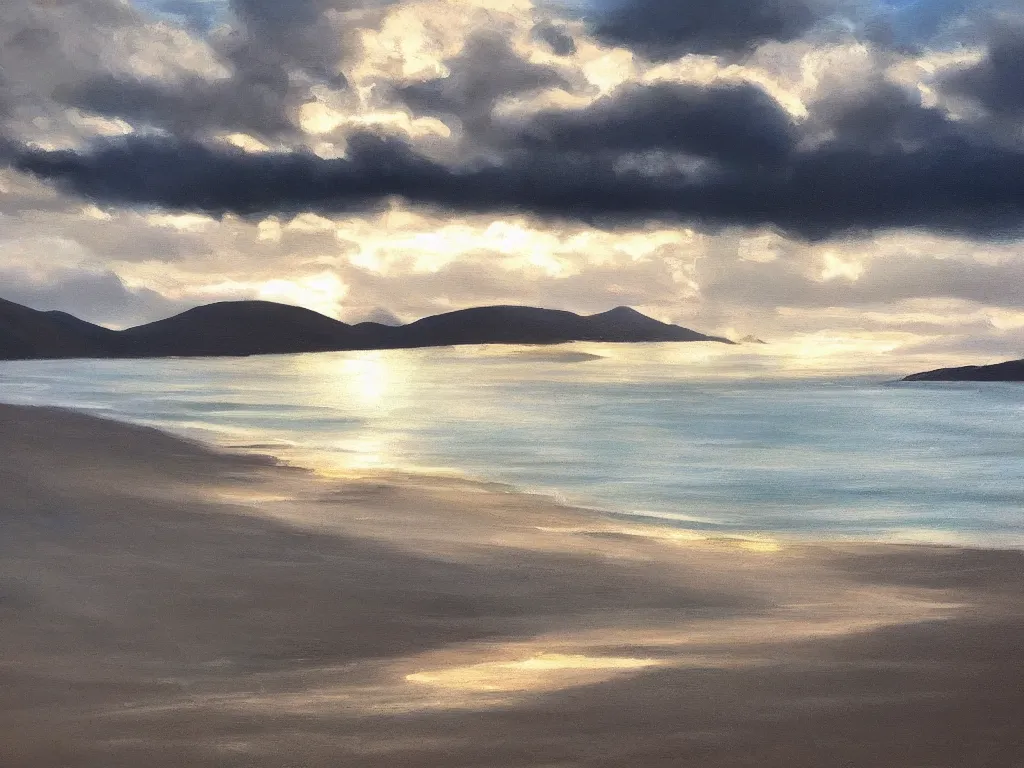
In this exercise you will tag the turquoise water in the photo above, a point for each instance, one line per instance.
(714, 443)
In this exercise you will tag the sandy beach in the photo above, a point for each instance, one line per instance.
(166, 604)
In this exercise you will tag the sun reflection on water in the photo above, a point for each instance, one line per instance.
(370, 387)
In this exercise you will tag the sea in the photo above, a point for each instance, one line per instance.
(722, 442)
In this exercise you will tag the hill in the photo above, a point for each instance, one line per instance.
(1012, 370)
(237, 328)
(29, 334)
(241, 328)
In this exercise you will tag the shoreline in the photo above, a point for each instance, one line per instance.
(212, 439)
(558, 498)
(168, 604)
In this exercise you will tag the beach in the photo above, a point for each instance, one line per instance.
(165, 603)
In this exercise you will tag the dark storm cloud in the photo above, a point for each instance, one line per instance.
(733, 124)
(886, 117)
(557, 39)
(486, 71)
(666, 29)
(7, 100)
(997, 82)
(880, 161)
(248, 102)
(949, 185)
(186, 175)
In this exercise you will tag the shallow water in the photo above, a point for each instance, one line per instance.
(714, 439)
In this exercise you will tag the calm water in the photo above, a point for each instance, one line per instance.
(719, 443)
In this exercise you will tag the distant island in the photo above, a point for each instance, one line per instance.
(242, 328)
(1012, 370)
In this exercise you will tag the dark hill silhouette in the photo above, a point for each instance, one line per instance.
(27, 333)
(1012, 370)
(237, 328)
(528, 325)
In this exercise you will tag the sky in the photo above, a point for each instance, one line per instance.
(849, 172)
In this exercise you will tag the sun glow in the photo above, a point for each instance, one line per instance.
(322, 293)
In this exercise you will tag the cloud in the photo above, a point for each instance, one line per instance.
(50, 49)
(718, 154)
(478, 278)
(950, 184)
(733, 124)
(486, 71)
(997, 82)
(381, 316)
(251, 73)
(885, 117)
(556, 37)
(198, 15)
(996, 345)
(97, 296)
(259, 106)
(667, 29)
(312, 35)
(256, 95)
(819, 280)
(662, 30)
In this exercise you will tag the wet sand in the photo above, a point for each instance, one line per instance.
(165, 604)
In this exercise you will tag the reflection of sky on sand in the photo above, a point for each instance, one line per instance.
(566, 660)
(793, 599)
(545, 671)
(673, 535)
(493, 675)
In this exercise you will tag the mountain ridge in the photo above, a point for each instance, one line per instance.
(244, 328)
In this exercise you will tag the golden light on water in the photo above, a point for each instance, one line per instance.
(372, 381)
(366, 379)
(368, 386)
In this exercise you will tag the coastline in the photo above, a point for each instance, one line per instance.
(170, 604)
